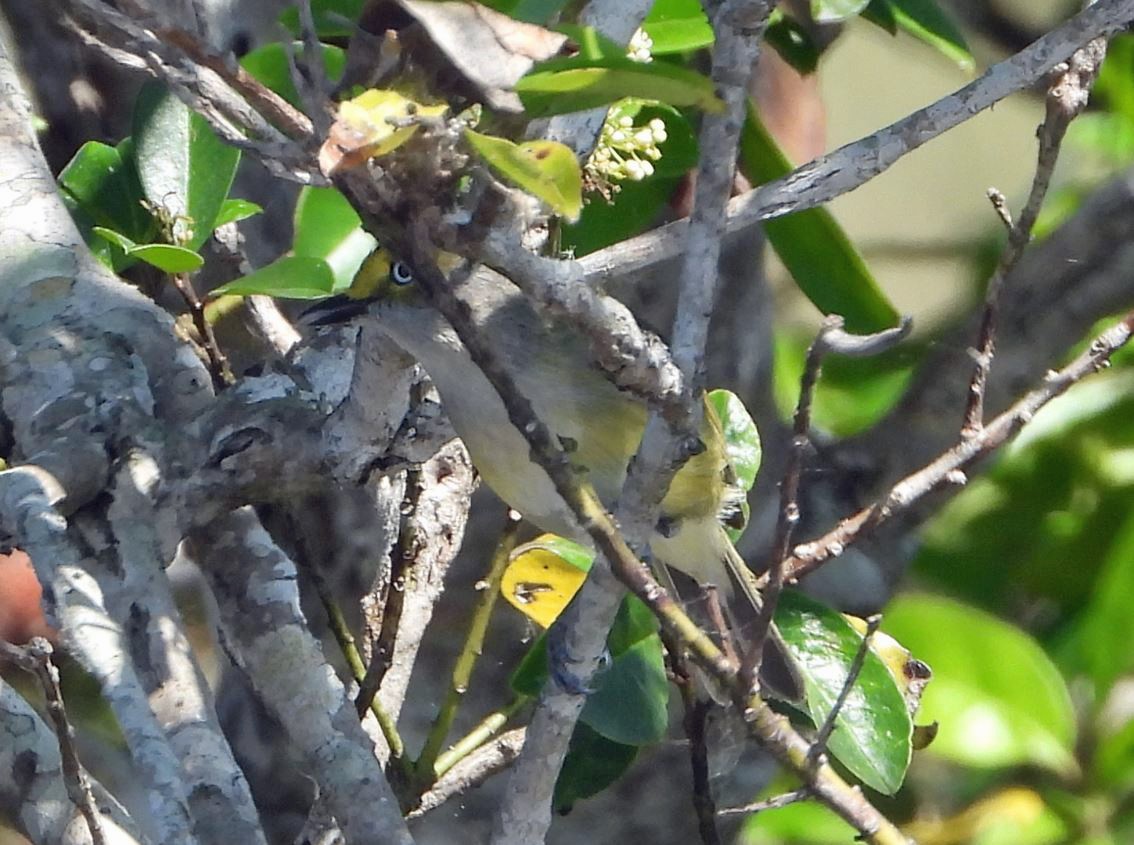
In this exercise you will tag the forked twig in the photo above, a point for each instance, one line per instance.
(1066, 98)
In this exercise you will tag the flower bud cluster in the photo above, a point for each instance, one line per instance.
(626, 151)
(641, 47)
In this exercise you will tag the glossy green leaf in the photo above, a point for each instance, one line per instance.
(873, 728)
(269, 64)
(184, 168)
(742, 439)
(925, 20)
(102, 181)
(792, 42)
(602, 223)
(545, 169)
(633, 624)
(677, 26)
(836, 11)
(630, 702)
(577, 83)
(332, 17)
(813, 247)
(233, 210)
(327, 227)
(998, 698)
(293, 277)
(593, 763)
(166, 257)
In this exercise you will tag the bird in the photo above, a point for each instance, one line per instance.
(599, 424)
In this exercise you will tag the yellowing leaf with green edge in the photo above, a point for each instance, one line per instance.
(545, 169)
(543, 576)
(375, 123)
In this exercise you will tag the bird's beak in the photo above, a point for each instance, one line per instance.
(333, 311)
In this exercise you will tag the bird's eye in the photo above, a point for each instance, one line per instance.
(400, 273)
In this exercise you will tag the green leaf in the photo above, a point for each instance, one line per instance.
(634, 207)
(634, 624)
(166, 257)
(293, 277)
(924, 20)
(327, 227)
(184, 168)
(873, 728)
(742, 440)
(998, 698)
(742, 445)
(836, 11)
(792, 42)
(630, 704)
(269, 64)
(813, 247)
(545, 169)
(677, 26)
(577, 83)
(233, 210)
(333, 18)
(593, 763)
(102, 181)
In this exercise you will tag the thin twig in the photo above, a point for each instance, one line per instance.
(793, 797)
(819, 746)
(36, 659)
(470, 651)
(789, 497)
(1066, 98)
(949, 467)
(830, 338)
(219, 367)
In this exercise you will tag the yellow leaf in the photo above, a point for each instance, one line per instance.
(375, 123)
(539, 582)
